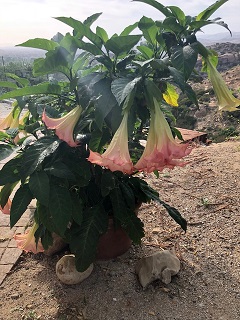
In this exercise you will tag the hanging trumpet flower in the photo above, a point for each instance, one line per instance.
(64, 126)
(226, 101)
(26, 241)
(161, 150)
(116, 157)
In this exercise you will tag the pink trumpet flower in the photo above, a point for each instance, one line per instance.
(26, 241)
(6, 209)
(226, 101)
(64, 126)
(116, 157)
(161, 150)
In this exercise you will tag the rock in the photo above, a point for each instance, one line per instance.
(160, 265)
(58, 245)
(67, 273)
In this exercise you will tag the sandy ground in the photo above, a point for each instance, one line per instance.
(207, 287)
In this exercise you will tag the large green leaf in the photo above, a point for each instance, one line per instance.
(36, 153)
(127, 218)
(6, 150)
(149, 29)
(83, 30)
(40, 43)
(39, 186)
(85, 238)
(60, 207)
(147, 52)
(105, 102)
(184, 59)
(6, 192)
(20, 203)
(107, 183)
(10, 171)
(8, 84)
(129, 29)
(199, 24)
(121, 44)
(179, 14)
(42, 88)
(57, 60)
(205, 14)
(60, 170)
(23, 82)
(89, 21)
(122, 87)
(102, 33)
(92, 48)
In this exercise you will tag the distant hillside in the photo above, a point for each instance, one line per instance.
(28, 54)
(210, 39)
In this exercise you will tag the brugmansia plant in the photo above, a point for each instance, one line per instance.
(78, 150)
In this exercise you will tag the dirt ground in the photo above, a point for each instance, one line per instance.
(207, 287)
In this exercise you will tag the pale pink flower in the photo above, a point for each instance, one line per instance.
(226, 101)
(26, 241)
(64, 126)
(11, 121)
(6, 209)
(116, 157)
(161, 150)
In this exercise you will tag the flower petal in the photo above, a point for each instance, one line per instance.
(116, 157)
(161, 150)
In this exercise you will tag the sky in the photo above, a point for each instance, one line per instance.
(21, 20)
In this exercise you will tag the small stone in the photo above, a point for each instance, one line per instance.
(156, 230)
(15, 296)
(114, 299)
(161, 265)
(67, 273)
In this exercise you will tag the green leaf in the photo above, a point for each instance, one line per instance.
(83, 30)
(60, 170)
(77, 208)
(129, 29)
(157, 6)
(105, 102)
(149, 29)
(39, 186)
(89, 47)
(175, 214)
(84, 240)
(57, 60)
(199, 24)
(10, 171)
(127, 218)
(89, 21)
(102, 34)
(147, 52)
(205, 14)
(22, 81)
(40, 43)
(171, 24)
(60, 207)
(122, 87)
(121, 44)
(6, 150)
(8, 84)
(20, 203)
(184, 59)
(36, 153)
(179, 14)
(107, 183)
(42, 88)
(6, 192)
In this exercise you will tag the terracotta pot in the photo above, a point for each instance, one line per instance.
(113, 243)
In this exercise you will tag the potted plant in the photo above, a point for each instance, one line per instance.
(77, 150)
